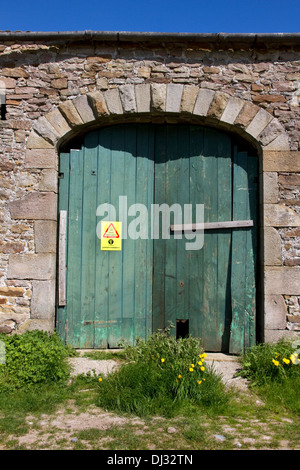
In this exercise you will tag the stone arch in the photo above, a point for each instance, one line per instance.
(153, 102)
(143, 102)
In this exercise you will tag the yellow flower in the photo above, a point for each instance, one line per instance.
(199, 382)
(100, 379)
(294, 358)
(285, 360)
(200, 363)
(202, 355)
(276, 363)
(162, 359)
(179, 376)
(202, 368)
(192, 365)
(191, 369)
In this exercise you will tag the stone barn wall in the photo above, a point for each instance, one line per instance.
(59, 85)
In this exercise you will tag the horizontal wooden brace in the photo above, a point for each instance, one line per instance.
(211, 225)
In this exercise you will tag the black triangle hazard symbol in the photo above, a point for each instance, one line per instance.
(111, 232)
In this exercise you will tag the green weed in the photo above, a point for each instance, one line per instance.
(163, 376)
(32, 358)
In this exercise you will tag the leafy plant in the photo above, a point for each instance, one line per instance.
(264, 363)
(162, 375)
(34, 357)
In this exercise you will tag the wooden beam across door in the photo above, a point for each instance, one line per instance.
(211, 225)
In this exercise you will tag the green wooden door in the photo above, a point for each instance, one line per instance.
(154, 280)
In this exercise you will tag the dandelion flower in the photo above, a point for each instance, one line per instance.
(191, 369)
(202, 368)
(162, 359)
(276, 363)
(199, 382)
(100, 379)
(179, 376)
(200, 363)
(192, 365)
(293, 358)
(285, 360)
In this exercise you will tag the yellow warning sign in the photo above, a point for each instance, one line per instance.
(111, 236)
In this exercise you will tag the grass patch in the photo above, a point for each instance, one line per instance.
(163, 376)
(274, 373)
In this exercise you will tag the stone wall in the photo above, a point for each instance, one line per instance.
(57, 90)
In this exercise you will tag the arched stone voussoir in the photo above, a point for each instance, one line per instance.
(214, 107)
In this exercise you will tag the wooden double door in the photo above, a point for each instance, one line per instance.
(206, 287)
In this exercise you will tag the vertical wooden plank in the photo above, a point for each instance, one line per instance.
(115, 257)
(172, 168)
(144, 246)
(88, 241)
(183, 261)
(150, 169)
(197, 167)
(224, 204)
(159, 252)
(102, 257)
(63, 205)
(74, 248)
(240, 293)
(129, 260)
(210, 250)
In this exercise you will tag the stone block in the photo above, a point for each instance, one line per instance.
(277, 215)
(173, 101)
(273, 130)
(158, 97)
(203, 101)
(113, 101)
(57, 121)
(70, 113)
(84, 109)
(259, 122)
(43, 300)
(98, 103)
(271, 192)
(246, 115)
(36, 324)
(280, 143)
(45, 236)
(281, 161)
(35, 141)
(232, 110)
(218, 105)
(281, 280)
(272, 247)
(273, 336)
(11, 291)
(48, 181)
(127, 97)
(189, 95)
(36, 205)
(142, 97)
(275, 312)
(39, 266)
(41, 158)
(43, 127)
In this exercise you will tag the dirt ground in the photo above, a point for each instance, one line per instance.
(70, 429)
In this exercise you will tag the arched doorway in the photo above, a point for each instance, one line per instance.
(204, 285)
